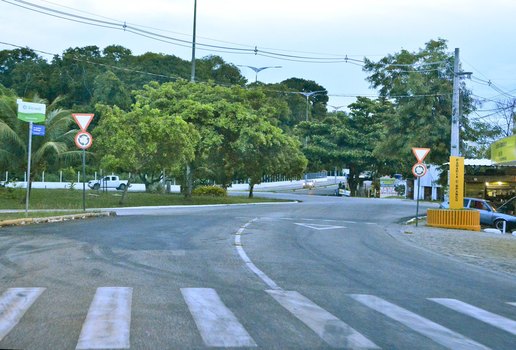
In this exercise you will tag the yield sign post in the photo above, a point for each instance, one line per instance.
(420, 153)
(83, 120)
(83, 140)
(419, 169)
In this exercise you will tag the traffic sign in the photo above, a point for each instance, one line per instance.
(420, 153)
(83, 120)
(83, 140)
(38, 130)
(419, 170)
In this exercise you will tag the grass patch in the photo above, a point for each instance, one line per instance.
(72, 199)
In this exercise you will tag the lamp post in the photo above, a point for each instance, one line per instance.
(192, 77)
(258, 70)
(308, 94)
(335, 108)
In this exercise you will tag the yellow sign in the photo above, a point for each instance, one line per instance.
(504, 150)
(456, 182)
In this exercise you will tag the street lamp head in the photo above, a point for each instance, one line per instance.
(258, 69)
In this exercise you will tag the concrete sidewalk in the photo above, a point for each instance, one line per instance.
(493, 251)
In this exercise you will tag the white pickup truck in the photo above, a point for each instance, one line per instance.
(107, 182)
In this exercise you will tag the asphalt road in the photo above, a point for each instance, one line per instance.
(321, 273)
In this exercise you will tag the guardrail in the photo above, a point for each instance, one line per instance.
(449, 218)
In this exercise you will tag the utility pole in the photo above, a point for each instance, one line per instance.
(192, 78)
(454, 147)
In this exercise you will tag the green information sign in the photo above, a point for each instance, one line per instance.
(31, 112)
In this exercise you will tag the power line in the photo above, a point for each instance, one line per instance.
(120, 25)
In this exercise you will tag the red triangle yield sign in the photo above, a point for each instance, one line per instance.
(420, 153)
(83, 120)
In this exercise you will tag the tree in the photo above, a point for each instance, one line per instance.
(53, 149)
(109, 89)
(143, 141)
(317, 102)
(220, 115)
(507, 110)
(420, 86)
(264, 149)
(24, 71)
(347, 140)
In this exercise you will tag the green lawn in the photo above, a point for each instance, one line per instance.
(72, 199)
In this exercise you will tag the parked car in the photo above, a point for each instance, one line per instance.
(508, 207)
(110, 181)
(489, 215)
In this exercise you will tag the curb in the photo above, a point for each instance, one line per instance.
(29, 221)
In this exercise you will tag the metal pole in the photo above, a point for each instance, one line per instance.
(84, 179)
(417, 205)
(192, 78)
(28, 170)
(454, 147)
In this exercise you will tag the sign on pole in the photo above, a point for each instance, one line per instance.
(419, 170)
(83, 120)
(456, 182)
(420, 153)
(30, 112)
(83, 140)
(38, 130)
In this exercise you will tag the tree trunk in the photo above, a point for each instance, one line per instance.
(188, 181)
(251, 188)
(124, 193)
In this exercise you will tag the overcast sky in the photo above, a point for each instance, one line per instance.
(483, 30)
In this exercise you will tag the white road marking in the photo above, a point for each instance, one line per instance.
(511, 303)
(319, 227)
(217, 324)
(485, 316)
(432, 330)
(13, 305)
(108, 322)
(248, 261)
(331, 329)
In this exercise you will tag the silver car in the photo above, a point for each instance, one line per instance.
(489, 216)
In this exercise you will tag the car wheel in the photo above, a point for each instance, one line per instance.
(96, 187)
(499, 224)
(121, 187)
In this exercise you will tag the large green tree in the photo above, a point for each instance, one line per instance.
(220, 115)
(144, 141)
(420, 86)
(347, 140)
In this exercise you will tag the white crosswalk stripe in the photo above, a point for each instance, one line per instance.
(13, 305)
(108, 322)
(432, 330)
(475, 312)
(328, 327)
(218, 326)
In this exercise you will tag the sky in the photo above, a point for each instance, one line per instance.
(483, 31)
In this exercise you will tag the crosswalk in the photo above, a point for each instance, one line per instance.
(108, 321)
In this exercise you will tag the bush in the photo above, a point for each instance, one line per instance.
(214, 191)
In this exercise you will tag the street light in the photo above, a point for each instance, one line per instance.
(307, 94)
(258, 70)
(335, 108)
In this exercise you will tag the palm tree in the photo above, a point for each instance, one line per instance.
(54, 148)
